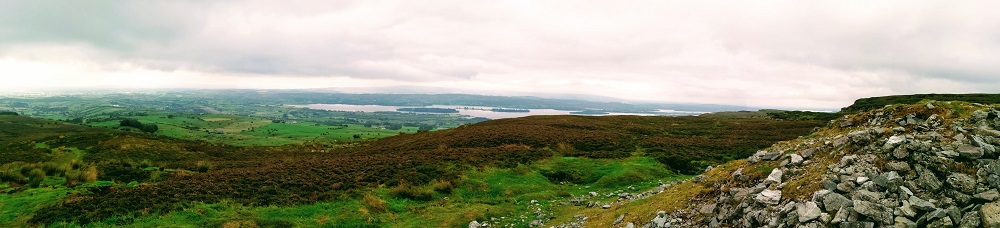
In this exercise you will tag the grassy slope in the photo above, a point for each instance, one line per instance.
(495, 167)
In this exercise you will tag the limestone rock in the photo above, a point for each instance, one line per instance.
(474, 224)
(834, 201)
(807, 211)
(990, 214)
(770, 197)
(775, 176)
(970, 152)
(962, 182)
(988, 196)
(874, 211)
(920, 204)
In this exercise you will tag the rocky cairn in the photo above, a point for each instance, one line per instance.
(933, 164)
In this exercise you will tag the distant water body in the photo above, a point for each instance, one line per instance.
(478, 111)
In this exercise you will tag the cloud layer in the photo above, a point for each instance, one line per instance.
(763, 53)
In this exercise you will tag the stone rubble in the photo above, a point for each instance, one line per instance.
(899, 166)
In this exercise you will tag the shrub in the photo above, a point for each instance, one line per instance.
(89, 175)
(443, 186)
(408, 191)
(35, 177)
(73, 177)
(374, 203)
(202, 166)
(54, 168)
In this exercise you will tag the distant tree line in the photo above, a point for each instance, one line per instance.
(127, 122)
(5, 113)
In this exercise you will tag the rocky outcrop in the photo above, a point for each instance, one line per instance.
(926, 165)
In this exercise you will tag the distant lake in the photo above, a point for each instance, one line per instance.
(477, 111)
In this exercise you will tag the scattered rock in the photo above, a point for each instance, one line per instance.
(988, 196)
(606, 206)
(920, 204)
(474, 224)
(990, 214)
(835, 201)
(970, 152)
(770, 197)
(795, 159)
(962, 182)
(874, 211)
(807, 211)
(774, 177)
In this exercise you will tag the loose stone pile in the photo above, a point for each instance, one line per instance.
(927, 165)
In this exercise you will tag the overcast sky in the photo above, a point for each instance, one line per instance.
(806, 54)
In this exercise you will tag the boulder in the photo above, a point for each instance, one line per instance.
(475, 224)
(920, 204)
(774, 177)
(969, 151)
(904, 222)
(834, 201)
(962, 182)
(990, 214)
(928, 181)
(970, 220)
(987, 196)
(707, 209)
(873, 210)
(795, 159)
(807, 152)
(770, 155)
(807, 211)
(770, 197)
(897, 166)
(986, 147)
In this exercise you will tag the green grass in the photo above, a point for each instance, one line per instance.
(17, 208)
(478, 195)
(252, 131)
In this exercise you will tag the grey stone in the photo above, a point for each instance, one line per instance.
(661, 220)
(606, 206)
(970, 220)
(707, 209)
(795, 159)
(620, 219)
(842, 215)
(920, 204)
(866, 195)
(928, 180)
(904, 222)
(807, 211)
(970, 152)
(475, 224)
(775, 176)
(737, 173)
(535, 223)
(900, 152)
(897, 166)
(988, 196)
(770, 197)
(829, 185)
(630, 225)
(943, 223)
(905, 190)
(962, 182)
(807, 153)
(770, 155)
(835, 201)
(990, 214)
(857, 224)
(986, 147)
(907, 210)
(947, 154)
(873, 210)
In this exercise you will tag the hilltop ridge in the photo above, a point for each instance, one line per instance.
(929, 164)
